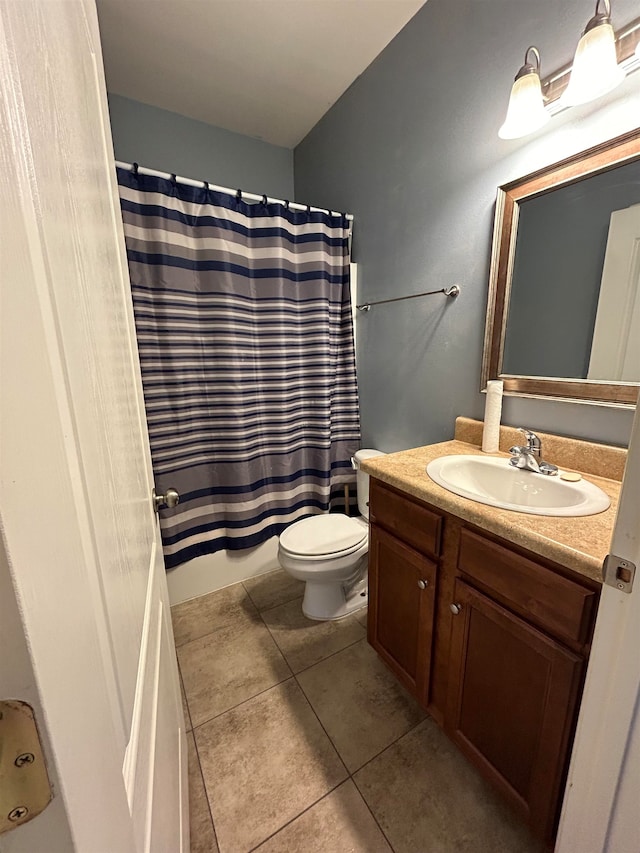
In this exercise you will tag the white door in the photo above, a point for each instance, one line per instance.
(602, 799)
(80, 538)
(615, 351)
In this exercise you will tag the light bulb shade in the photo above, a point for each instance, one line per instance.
(595, 67)
(526, 111)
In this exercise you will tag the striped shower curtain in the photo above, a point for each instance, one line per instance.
(244, 327)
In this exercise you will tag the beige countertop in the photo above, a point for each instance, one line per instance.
(580, 543)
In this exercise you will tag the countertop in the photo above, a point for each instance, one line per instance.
(580, 544)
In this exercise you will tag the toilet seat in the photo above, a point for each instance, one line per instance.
(322, 536)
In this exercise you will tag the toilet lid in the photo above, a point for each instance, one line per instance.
(323, 534)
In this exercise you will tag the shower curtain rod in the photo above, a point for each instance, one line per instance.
(251, 196)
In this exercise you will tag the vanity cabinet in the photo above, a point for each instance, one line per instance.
(494, 644)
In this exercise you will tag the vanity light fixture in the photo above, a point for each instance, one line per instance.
(595, 66)
(603, 59)
(526, 111)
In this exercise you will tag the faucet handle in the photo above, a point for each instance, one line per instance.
(548, 468)
(517, 455)
(533, 442)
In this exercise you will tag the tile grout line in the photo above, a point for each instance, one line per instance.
(255, 612)
(193, 728)
(389, 745)
(350, 775)
(248, 594)
(273, 606)
(320, 723)
(244, 702)
(373, 758)
(304, 811)
(311, 805)
(251, 609)
(311, 665)
(260, 613)
(206, 793)
(282, 603)
(195, 746)
(249, 698)
(332, 655)
(340, 759)
(369, 809)
(184, 694)
(294, 675)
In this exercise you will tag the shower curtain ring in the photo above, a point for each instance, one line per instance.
(238, 195)
(264, 200)
(135, 168)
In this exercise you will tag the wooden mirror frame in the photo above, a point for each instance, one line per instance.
(601, 158)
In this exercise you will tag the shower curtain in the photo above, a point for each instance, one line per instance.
(244, 326)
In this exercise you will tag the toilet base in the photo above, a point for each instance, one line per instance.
(324, 602)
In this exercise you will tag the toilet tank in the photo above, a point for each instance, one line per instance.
(362, 479)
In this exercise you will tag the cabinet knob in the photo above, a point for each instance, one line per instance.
(455, 608)
(423, 584)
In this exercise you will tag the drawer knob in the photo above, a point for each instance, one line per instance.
(423, 584)
(455, 608)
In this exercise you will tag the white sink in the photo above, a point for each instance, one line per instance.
(493, 481)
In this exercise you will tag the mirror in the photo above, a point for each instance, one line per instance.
(563, 316)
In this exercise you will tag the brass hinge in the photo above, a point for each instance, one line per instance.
(618, 572)
(25, 790)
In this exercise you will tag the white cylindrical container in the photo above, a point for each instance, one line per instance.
(362, 479)
(492, 415)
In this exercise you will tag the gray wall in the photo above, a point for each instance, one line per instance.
(412, 150)
(173, 143)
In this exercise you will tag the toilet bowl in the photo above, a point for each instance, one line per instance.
(330, 554)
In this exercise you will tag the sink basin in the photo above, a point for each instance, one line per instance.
(493, 481)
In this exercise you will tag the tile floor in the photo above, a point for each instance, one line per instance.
(301, 741)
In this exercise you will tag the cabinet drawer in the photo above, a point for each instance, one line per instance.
(407, 519)
(563, 607)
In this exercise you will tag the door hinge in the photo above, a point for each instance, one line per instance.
(25, 790)
(618, 572)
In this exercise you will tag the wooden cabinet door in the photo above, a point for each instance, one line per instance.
(511, 704)
(402, 587)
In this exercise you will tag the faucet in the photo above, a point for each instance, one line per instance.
(529, 457)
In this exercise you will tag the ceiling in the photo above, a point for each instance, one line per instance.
(269, 69)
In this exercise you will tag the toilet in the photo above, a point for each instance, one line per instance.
(330, 553)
